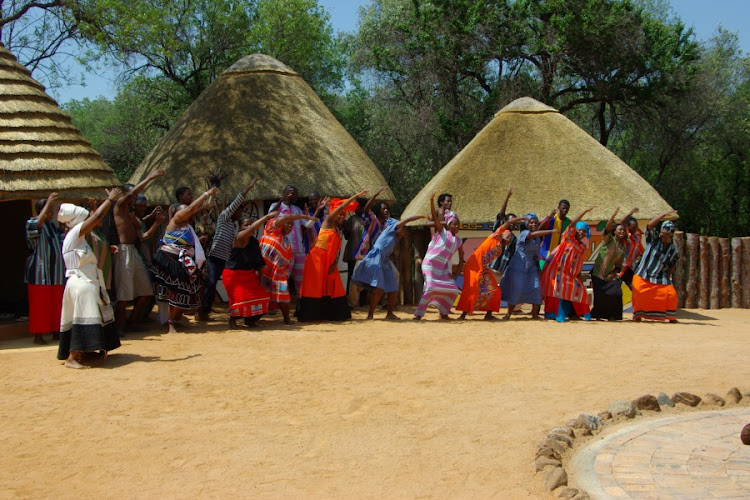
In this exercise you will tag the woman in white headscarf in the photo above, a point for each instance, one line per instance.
(83, 339)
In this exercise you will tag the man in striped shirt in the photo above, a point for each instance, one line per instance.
(226, 232)
(654, 296)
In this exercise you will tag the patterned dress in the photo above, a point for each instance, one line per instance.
(322, 297)
(520, 282)
(481, 291)
(376, 269)
(439, 286)
(175, 269)
(45, 276)
(560, 281)
(277, 253)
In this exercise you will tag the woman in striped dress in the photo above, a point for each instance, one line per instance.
(563, 290)
(439, 284)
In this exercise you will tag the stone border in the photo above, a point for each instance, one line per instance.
(554, 453)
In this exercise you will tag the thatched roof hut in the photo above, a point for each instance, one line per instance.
(546, 157)
(260, 119)
(40, 149)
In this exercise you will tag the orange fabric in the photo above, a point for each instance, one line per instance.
(653, 301)
(481, 291)
(317, 279)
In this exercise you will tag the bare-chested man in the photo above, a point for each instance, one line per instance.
(132, 280)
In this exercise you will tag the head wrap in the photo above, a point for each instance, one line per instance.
(529, 216)
(449, 216)
(582, 225)
(668, 225)
(337, 202)
(71, 215)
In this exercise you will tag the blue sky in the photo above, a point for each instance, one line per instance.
(704, 16)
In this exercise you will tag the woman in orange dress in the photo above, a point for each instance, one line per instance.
(322, 294)
(480, 289)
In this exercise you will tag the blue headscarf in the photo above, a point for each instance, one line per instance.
(529, 216)
(582, 225)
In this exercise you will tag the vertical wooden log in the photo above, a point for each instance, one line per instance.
(703, 273)
(724, 285)
(745, 276)
(714, 273)
(736, 273)
(678, 276)
(421, 241)
(407, 274)
(691, 256)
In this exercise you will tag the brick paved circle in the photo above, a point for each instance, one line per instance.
(696, 455)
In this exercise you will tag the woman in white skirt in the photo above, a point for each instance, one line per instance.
(83, 338)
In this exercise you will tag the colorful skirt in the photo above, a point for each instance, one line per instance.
(45, 307)
(653, 301)
(173, 283)
(247, 296)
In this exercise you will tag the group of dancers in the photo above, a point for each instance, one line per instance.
(299, 250)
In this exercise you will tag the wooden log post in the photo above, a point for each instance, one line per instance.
(724, 284)
(678, 277)
(407, 273)
(714, 273)
(691, 254)
(703, 273)
(745, 276)
(736, 273)
(421, 242)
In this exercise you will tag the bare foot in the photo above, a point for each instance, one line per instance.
(72, 363)
(287, 321)
(416, 318)
(673, 321)
(489, 317)
(534, 316)
(39, 340)
(392, 316)
(172, 328)
(370, 317)
(232, 323)
(462, 317)
(445, 317)
(506, 317)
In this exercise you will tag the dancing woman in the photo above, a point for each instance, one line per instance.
(654, 296)
(439, 284)
(562, 287)
(242, 275)
(375, 272)
(480, 289)
(279, 259)
(176, 265)
(322, 297)
(520, 283)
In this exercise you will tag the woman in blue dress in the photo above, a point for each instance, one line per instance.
(376, 272)
(520, 283)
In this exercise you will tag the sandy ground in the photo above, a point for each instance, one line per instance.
(356, 410)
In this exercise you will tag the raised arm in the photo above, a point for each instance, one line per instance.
(184, 215)
(160, 217)
(246, 233)
(505, 204)
(372, 199)
(580, 216)
(510, 222)
(46, 213)
(433, 212)
(628, 215)
(139, 187)
(90, 223)
(611, 221)
(328, 222)
(408, 220)
(250, 186)
(658, 218)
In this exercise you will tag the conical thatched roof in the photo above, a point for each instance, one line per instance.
(40, 149)
(260, 119)
(546, 157)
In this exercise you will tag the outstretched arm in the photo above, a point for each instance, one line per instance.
(505, 204)
(510, 222)
(580, 216)
(537, 234)
(182, 216)
(46, 213)
(625, 218)
(611, 221)
(328, 222)
(372, 199)
(656, 220)
(246, 233)
(90, 223)
(280, 221)
(408, 220)
(140, 186)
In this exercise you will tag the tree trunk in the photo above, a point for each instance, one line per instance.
(714, 273)
(703, 273)
(737, 291)
(745, 280)
(678, 278)
(406, 267)
(724, 285)
(691, 292)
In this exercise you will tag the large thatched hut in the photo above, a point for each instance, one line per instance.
(40, 151)
(546, 157)
(259, 119)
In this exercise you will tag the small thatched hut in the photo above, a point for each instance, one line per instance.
(40, 151)
(259, 119)
(546, 157)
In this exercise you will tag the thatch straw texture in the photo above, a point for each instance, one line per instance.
(260, 119)
(40, 149)
(546, 157)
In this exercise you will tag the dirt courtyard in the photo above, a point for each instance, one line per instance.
(355, 410)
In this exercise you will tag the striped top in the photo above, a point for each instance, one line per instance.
(436, 266)
(44, 265)
(226, 230)
(657, 258)
(610, 258)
